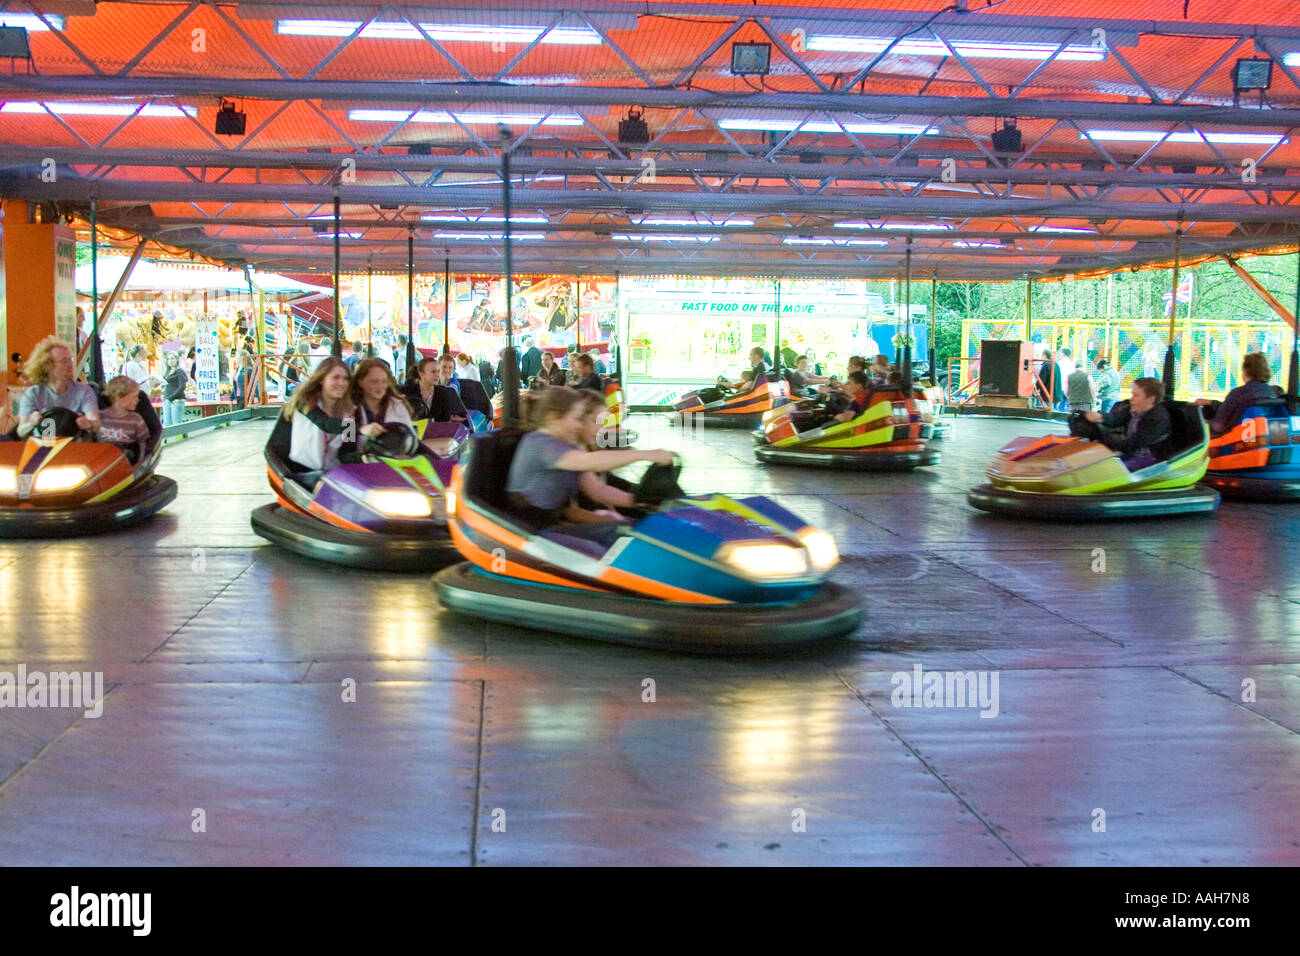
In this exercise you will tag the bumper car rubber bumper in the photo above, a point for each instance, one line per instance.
(1196, 499)
(1252, 487)
(356, 549)
(137, 503)
(718, 419)
(646, 623)
(848, 460)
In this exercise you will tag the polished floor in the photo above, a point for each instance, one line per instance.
(1148, 680)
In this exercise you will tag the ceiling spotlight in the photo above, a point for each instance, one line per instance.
(230, 122)
(1007, 139)
(1251, 74)
(751, 59)
(633, 131)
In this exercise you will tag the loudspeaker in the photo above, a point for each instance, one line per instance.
(999, 367)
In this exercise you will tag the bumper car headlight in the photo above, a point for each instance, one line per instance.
(8, 481)
(63, 478)
(449, 500)
(400, 504)
(821, 549)
(766, 560)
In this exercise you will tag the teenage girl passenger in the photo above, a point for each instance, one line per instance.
(318, 429)
(549, 465)
(374, 394)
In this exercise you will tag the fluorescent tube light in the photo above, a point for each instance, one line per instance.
(785, 126)
(153, 110)
(30, 22)
(469, 119)
(485, 236)
(453, 33)
(1154, 136)
(892, 225)
(625, 237)
(694, 222)
(815, 241)
(534, 220)
(973, 49)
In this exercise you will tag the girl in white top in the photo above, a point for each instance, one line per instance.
(466, 368)
(318, 430)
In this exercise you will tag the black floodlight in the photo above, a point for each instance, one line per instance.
(1252, 73)
(14, 43)
(230, 122)
(1007, 139)
(751, 59)
(633, 130)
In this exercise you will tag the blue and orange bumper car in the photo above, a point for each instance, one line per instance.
(59, 483)
(892, 434)
(385, 513)
(724, 407)
(707, 574)
(1259, 459)
(1076, 478)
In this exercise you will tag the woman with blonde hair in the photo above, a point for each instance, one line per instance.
(51, 371)
(318, 429)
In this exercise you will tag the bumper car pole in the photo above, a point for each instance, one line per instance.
(96, 351)
(337, 350)
(446, 301)
(410, 303)
(510, 383)
(1168, 375)
(1293, 373)
(907, 320)
(776, 336)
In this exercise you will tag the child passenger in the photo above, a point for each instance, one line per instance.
(119, 424)
(549, 465)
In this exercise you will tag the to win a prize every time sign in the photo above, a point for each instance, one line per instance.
(207, 368)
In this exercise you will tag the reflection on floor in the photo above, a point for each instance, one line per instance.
(1147, 701)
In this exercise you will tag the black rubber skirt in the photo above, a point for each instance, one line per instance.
(1239, 488)
(1101, 507)
(355, 549)
(641, 622)
(717, 419)
(848, 460)
(137, 503)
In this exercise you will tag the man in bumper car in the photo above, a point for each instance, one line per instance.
(1141, 426)
(1224, 416)
(51, 371)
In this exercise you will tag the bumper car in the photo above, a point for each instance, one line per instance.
(1259, 459)
(615, 434)
(61, 483)
(723, 407)
(1074, 477)
(707, 574)
(892, 434)
(385, 513)
(942, 426)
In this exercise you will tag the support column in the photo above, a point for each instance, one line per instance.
(45, 285)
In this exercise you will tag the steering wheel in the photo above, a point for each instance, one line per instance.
(398, 440)
(659, 483)
(60, 422)
(1080, 427)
